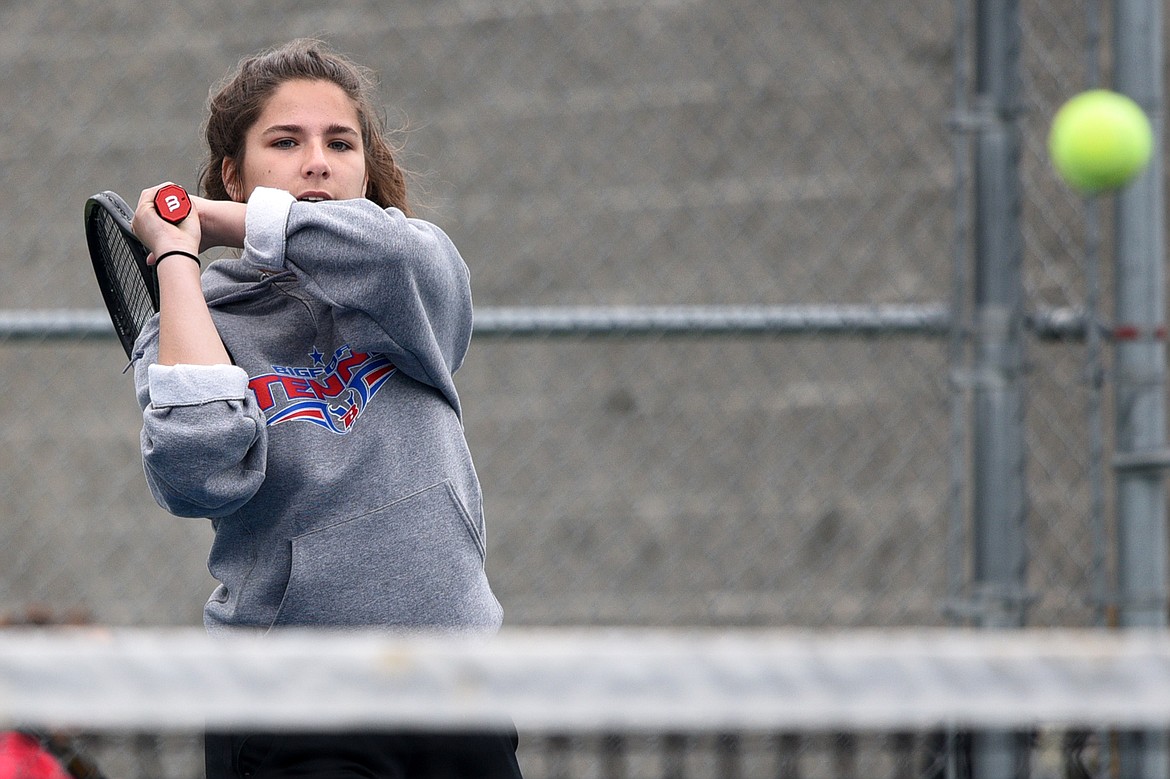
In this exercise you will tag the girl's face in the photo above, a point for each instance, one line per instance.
(307, 141)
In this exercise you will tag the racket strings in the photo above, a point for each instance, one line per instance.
(126, 282)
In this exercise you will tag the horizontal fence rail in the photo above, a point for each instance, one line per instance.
(509, 322)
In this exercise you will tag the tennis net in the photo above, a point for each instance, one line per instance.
(619, 703)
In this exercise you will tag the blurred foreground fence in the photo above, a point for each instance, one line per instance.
(610, 703)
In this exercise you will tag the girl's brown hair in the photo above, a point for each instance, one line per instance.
(238, 101)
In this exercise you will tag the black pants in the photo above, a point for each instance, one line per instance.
(363, 754)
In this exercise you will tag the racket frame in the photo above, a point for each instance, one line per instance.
(102, 240)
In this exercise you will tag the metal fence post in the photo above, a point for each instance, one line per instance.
(998, 482)
(998, 486)
(1140, 363)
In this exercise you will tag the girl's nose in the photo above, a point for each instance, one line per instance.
(316, 163)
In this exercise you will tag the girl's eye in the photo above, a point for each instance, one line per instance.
(340, 146)
(284, 143)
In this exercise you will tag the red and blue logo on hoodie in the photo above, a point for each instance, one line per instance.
(331, 394)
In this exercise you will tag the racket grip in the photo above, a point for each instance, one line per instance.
(172, 203)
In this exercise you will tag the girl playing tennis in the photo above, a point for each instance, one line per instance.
(301, 397)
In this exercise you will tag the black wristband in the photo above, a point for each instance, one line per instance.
(164, 255)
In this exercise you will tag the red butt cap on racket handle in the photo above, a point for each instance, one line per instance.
(172, 203)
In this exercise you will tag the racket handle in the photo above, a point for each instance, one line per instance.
(172, 203)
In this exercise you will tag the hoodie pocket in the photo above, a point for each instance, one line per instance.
(415, 562)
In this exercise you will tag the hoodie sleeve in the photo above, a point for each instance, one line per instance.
(397, 285)
(204, 442)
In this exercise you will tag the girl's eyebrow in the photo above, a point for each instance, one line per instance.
(296, 129)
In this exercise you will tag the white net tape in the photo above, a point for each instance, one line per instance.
(587, 680)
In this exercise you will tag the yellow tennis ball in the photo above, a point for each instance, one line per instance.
(1100, 140)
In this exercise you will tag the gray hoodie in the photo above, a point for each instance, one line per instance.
(330, 456)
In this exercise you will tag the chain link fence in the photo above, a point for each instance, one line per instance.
(739, 154)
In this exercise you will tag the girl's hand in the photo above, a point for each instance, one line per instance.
(221, 222)
(186, 332)
(159, 235)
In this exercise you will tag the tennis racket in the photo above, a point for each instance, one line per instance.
(128, 285)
